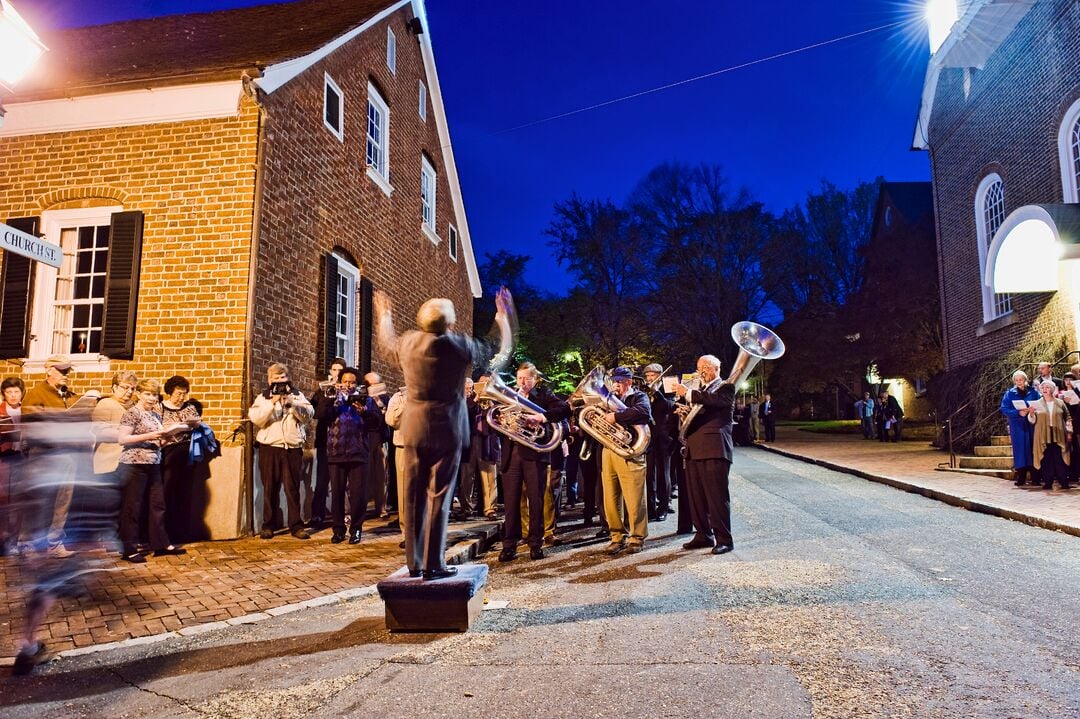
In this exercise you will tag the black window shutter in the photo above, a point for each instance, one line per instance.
(329, 316)
(17, 296)
(366, 324)
(122, 285)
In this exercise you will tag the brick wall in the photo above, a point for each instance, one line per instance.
(1004, 118)
(317, 197)
(194, 181)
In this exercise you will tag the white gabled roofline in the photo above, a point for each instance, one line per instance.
(277, 75)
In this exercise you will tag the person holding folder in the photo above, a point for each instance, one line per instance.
(1014, 405)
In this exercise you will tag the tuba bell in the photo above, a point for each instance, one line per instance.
(596, 400)
(506, 410)
(756, 342)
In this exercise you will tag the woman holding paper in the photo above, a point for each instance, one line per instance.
(1071, 395)
(1053, 430)
(1014, 405)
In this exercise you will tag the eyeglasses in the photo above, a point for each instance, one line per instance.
(125, 388)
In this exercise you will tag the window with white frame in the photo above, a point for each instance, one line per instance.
(378, 135)
(452, 242)
(348, 278)
(427, 194)
(69, 301)
(1069, 153)
(391, 51)
(333, 108)
(989, 214)
(423, 101)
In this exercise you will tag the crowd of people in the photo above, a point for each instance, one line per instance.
(1041, 416)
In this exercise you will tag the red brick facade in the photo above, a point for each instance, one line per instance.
(1003, 118)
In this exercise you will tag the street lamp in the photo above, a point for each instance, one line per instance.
(20, 47)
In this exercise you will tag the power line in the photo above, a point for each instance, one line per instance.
(687, 81)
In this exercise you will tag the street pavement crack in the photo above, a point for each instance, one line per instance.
(176, 700)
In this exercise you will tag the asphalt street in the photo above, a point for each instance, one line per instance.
(843, 598)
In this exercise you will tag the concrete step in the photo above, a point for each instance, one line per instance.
(997, 473)
(999, 440)
(1004, 463)
(994, 451)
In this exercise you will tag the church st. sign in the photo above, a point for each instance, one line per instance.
(23, 243)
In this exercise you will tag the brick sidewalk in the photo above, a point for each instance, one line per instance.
(911, 466)
(214, 581)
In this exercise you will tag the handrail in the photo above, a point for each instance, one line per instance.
(947, 426)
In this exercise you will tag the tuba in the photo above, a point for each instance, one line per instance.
(596, 400)
(505, 411)
(756, 342)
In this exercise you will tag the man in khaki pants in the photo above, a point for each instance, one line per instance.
(624, 479)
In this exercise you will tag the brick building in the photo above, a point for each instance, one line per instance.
(228, 188)
(1000, 118)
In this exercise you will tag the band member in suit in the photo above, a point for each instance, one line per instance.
(709, 451)
(767, 414)
(524, 467)
(435, 360)
(624, 479)
(657, 462)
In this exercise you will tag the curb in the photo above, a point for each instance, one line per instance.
(956, 501)
(460, 553)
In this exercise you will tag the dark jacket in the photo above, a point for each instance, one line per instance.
(709, 435)
(555, 409)
(346, 437)
(638, 410)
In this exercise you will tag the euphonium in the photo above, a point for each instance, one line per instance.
(506, 413)
(756, 342)
(596, 400)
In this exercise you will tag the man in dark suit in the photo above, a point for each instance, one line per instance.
(767, 413)
(434, 426)
(892, 417)
(709, 451)
(525, 467)
(657, 462)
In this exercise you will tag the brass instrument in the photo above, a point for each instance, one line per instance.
(506, 412)
(596, 400)
(659, 381)
(756, 342)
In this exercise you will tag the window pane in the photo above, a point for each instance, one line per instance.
(82, 288)
(86, 237)
(95, 315)
(103, 236)
(85, 263)
(98, 288)
(333, 107)
(82, 316)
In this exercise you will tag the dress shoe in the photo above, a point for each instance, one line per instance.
(354, 536)
(536, 553)
(634, 548)
(29, 657)
(170, 551)
(614, 548)
(266, 534)
(1019, 483)
(722, 549)
(698, 544)
(552, 541)
(443, 573)
(668, 510)
(662, 517)
(414, 573)
(401, 544)
(134, 558)
(508, 554)
(338, 537)
(1048, 485)
(301, 534)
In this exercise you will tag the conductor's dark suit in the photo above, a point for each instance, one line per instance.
(434, 428)
(709, 451)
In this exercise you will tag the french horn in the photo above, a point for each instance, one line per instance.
(506, 414)
(596, 400)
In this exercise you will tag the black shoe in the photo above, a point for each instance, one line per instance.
(536, 553)
(662, 517)
(266, 534)
(604, 532)
(170, 551)
(338, 537)
(134, 558)
(301, 534)
(414, 573)
(698, 544)
(508, 554)
(401, 544)
(1019, 483)
(29, 657)
(354, 536)
(668, 510)
(430, 574)
(722, 548)
(1049, 485)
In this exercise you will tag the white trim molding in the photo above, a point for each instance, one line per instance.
(1069, 180)
(176, 103)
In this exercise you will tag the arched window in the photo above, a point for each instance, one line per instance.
(1069, 152)
(989, 214)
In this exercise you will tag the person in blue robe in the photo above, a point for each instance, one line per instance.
(1021, 433)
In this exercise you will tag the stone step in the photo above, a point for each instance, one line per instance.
(999, 473)
(994, 451)
(985, 462)
(999, 440)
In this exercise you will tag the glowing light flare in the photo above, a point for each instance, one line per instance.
(940, 15)
(20, 46)
(1013, 269)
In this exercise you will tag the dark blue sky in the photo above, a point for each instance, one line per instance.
(843, 112)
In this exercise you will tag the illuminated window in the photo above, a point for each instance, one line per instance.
(989, 214)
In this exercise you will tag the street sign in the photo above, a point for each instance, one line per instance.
(23, 243)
